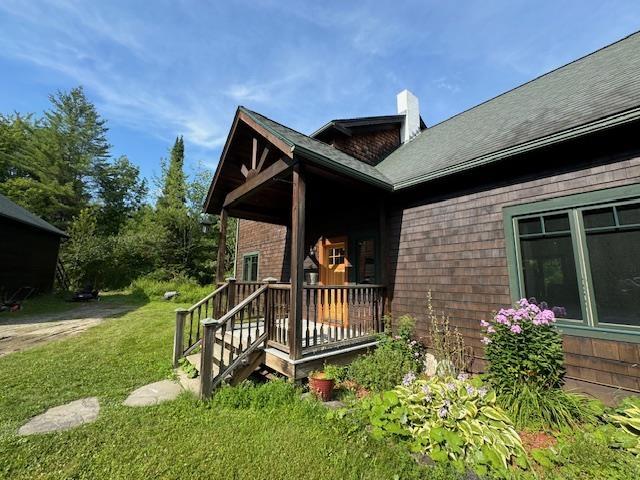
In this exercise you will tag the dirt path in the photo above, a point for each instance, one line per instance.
(29, 331)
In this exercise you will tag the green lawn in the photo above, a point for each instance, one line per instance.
(180, 439)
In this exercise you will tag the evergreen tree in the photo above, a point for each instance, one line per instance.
(174, 188)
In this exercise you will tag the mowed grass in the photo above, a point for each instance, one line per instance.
(180, 439)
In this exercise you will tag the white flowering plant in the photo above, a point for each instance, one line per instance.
(450, 419)
(523, 346)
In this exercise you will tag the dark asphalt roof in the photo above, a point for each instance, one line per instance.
(594, 92)
(320, 152)
(16, 212)
(591, 89)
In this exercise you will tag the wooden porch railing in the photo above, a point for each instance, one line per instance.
(341, 314)
(331, 314)
(239, 318)
(188, 333)
(227, 342)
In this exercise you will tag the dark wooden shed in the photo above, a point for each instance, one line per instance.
(28, 249)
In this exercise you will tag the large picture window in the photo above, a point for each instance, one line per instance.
(250, 267)
(581, 253)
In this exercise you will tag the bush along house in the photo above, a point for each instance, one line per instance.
(534, 193)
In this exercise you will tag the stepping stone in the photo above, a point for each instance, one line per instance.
(63, 417)
(153, 394)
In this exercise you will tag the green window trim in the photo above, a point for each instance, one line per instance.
(574, 205)
(245, 257)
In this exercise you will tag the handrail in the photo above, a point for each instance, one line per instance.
(232, 346)
(208, 297)
(358, 286)
(231, 313)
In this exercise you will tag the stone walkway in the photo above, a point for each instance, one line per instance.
(63, 417)
(154, 393)
(17, 334)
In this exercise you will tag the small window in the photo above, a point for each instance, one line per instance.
(250, 268)
(599, 218)
(629, 214)
(336, 256)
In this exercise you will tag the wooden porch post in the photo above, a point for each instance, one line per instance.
(222, 246)
(297, 263)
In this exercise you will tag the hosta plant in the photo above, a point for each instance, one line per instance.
(627, 417)
(451, 420)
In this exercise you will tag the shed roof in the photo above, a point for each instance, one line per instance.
(15, 212)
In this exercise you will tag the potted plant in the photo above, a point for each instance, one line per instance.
(322, 382)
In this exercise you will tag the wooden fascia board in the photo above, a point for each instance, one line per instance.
(240, 115)
(278, 168)
(283, 146)
(216, 176)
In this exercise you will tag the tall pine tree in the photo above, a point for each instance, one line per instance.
(172, 211)
(174, 188)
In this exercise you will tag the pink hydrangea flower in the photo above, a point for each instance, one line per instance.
(490, 329)
(516, 329)
(484, 324)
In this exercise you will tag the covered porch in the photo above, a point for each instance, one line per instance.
(335, 296)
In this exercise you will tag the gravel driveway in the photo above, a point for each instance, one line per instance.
(29, 331)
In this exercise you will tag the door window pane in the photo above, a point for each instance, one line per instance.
(614, 258)
(366, 272)
(549, 272)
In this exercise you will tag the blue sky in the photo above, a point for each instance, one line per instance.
(160, 68)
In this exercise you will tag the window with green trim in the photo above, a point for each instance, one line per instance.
(250, 267)
(583, 257)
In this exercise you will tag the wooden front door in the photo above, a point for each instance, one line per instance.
(333, 260)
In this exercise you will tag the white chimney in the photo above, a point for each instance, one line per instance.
(408, 106)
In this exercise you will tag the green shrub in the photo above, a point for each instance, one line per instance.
(188, 290)
(451, 420)
(248, 395)
(335, 372)
(535, 407)
(586, 454)
(385, 367)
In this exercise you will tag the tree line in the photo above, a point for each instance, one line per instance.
(59, 166)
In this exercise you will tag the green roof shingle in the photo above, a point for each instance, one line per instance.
(597, 86)
(320, 152)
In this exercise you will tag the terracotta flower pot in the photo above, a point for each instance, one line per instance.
(322, 387)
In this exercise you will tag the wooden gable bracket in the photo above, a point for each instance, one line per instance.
(254, 182)
(255, 165)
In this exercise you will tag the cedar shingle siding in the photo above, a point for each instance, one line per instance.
(456, 249)
(370, 147)
(269, 241)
